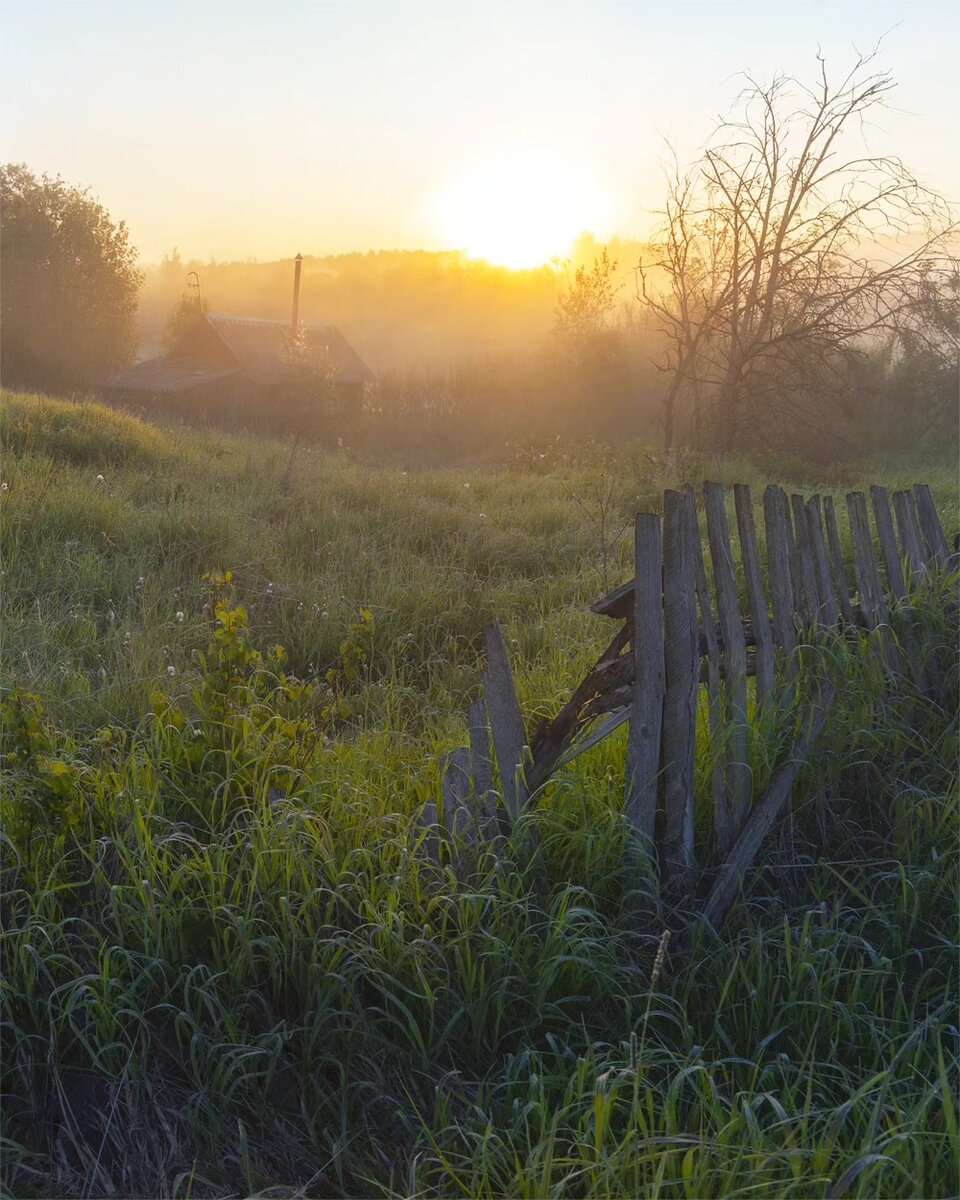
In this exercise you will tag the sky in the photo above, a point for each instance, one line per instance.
(238, 130)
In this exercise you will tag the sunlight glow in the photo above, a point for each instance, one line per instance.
(518, 211)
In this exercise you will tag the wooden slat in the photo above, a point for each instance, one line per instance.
(934, 538)
(809, 592)
(481, 769)
(742, 855)
(888, 542)
(829, 614)
(646, 717)
(711, 649)
(506, 722)
(911, 542)
(873, 604)
(732, 812)
(457, 814)
(776, 521)
(682, 681)
(837, 566)
(756, 594)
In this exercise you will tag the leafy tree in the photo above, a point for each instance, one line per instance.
(186, 313)
(70, 282)
(584, 308)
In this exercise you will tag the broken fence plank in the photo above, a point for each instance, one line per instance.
(732, 812)
(837, 565)
(935, 540)
(829, 614)
(761, 820)
(888, 542)
(646, 715)
(756, 595)
(506, 722)
(682, 681)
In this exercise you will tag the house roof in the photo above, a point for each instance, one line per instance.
(260, 346)
(256, 349)
(170, 374)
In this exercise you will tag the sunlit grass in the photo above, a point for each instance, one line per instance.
(229, 970)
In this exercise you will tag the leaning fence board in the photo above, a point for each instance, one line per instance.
(888, 542)
(837, 565)
(506, 723)
(646, 716)
(776, 521)
(810, 593)
(761, 820)
(457, 814)
(911, 543)
(934, 538)
(756, 596)
(731, 813)
(682, 680)
(828, 602)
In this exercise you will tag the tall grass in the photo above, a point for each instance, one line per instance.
(228, 967)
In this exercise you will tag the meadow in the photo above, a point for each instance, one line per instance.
(229, 669)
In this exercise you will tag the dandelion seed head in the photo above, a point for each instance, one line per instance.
(179, 617)
(171, 669)
(99, 479)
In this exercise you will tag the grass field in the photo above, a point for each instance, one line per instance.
(227, 971)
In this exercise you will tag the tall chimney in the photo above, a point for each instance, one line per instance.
(297, 265)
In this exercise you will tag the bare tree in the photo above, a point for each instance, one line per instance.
(782, 253)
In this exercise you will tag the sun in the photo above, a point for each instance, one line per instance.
(519, 210)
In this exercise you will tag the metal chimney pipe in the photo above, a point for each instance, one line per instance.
(295, 322)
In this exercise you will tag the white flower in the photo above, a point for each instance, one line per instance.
(483, 516)
(111, 615)
(99, 479)
(179, 617)
(102, 672)
(466, 485)
(270, 587)
(4, 487)
(171, 669)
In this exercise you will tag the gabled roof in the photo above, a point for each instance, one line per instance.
(217, 346)
(260, 347)
(172, 373)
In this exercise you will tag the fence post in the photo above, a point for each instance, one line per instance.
(828, 602)
(888, 542)
(809, 592)
(646, 714)
(682, 681)
(712, 644)
(776, 522)
(933, 535)
(911, 543)
(736, 801)
(872, 601)
(839, 570)
(756, 596)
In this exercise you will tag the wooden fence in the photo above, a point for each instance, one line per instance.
(681, 626)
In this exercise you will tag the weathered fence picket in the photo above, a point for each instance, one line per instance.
(646, 717)
(682, 682)
(670, 640)
(736, 798)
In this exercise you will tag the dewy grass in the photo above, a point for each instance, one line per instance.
(228, 967)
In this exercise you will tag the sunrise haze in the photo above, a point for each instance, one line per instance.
(235, 131)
